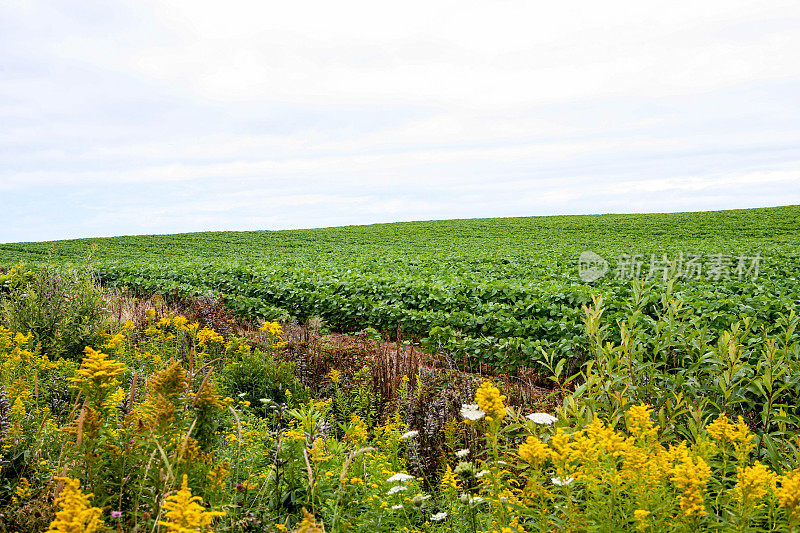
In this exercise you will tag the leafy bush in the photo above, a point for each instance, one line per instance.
(260, 378)
(63, 307)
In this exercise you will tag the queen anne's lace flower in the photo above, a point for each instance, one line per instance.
(472, 412)
(409, 434)
(438, 517)
(544, 419)
(400, 477)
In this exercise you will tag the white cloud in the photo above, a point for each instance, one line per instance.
(358, 111)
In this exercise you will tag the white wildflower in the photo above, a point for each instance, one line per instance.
(560, 482)
(438, 517)
(544, 419)
(476, 499)
(401, 477)
(472, 412)
(462, 453)
(482, 473)
(419, 499)
(409, 434)
(396, 507)
(395, 489)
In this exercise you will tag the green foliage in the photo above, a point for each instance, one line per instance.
(62, 307)
(260, 378)
(506, 288)
(16, 277)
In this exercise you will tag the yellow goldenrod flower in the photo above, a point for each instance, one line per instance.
(309, 524)
(23, 491)
(18, 414)
(217, 475)
(738, 435)
(788, 494)
(334, 376)
(207, 337)
(97, 375)
(272, 328)
(534, 451)
(742, 440)
(720, 429)
(753, 483)
(180, 322)
(690, 478)
(449, 479)
(639, 423)
(318, 452)
(75, 516)
(185, 514)
(490, 401)
(641, 518)
(357, 430)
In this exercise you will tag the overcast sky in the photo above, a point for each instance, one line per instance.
(121, 118)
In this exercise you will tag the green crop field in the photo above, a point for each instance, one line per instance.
(491, 290)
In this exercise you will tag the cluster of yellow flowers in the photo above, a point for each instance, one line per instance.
(753, 483)
(318, 451)
(639, 423)
(490, 401)
(640, 515)
(690, 476)
(449, 479)
(23, 491)
(788, 494)
(76, 514)
(208, 337)
(97, 376)
(271, 328)
(599, 455)
(185, 514)
(534, 451)
(737, 435)
(356, 430)
(15, 349)
(218, 474)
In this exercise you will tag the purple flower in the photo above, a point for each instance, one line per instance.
(240, 487)
(116, 514)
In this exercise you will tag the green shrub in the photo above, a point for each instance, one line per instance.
(255, 376)
(62, 307)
